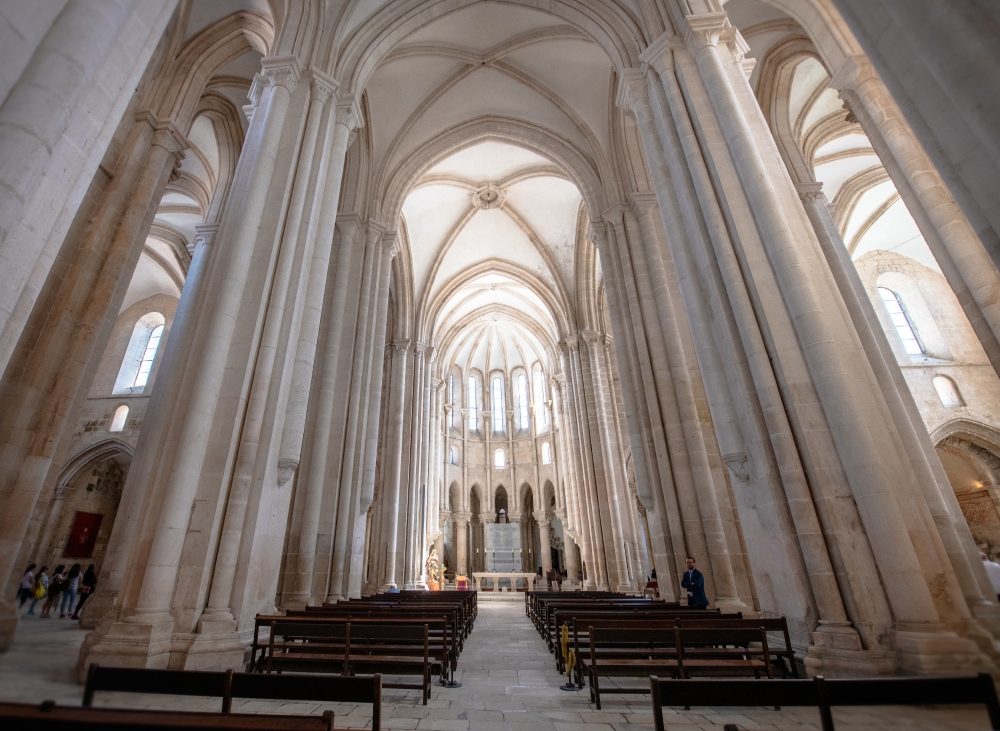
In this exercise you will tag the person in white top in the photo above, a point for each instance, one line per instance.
(993, 571)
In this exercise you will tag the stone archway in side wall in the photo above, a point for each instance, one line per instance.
(971, 459)
(84, 506)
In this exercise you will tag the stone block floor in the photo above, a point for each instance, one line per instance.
(509, 683)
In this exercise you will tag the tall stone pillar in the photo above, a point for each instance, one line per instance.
(461, 523)
(966, 264)
(935, 487)
(545, 542)
(397, 401)
(56, 372)
(143, 635)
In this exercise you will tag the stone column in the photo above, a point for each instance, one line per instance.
(545, 542)
(933, 482)
(964, 261)
(461, 522)
(218, 617)
(418, 447)
(86, 308)
(368, 352)
(149, 627)
(313, 487)
(394, 451)
(343, 119)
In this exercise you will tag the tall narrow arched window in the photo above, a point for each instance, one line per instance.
(546, 453)
(473, 405)
(140, 354)
(522, 401)
(453, 455)
(119, 419)
(499, 459)
(900, 320)
(497, 403)
(947, 391)
(542, 411)
(148, 356)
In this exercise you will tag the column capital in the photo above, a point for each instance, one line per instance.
(349, 111)
(257, 86)
(810, 191)
(854, 72)
(348, 224)
(390, 245)
(461, 519)
(282, 71)
(632, 89)
(286, 470)
(204, 234)
(591, 337)
(597, 234)
(321, 86)
(401, 346)
(660, 53)
(166, 133)
(709, 29)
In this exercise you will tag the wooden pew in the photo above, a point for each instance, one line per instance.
(783, 654)
(50, 717)
(228, 685)
(303, 645)
(824, 694)
(624, 653)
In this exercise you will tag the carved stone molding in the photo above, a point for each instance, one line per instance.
(282, 71)
(488, 196)
(286, 470)
(322, 86)
(737, 464)
(632, 90)
(810, 191)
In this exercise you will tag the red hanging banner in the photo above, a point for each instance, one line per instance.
(83, 537)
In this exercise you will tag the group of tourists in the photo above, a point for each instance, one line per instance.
(58, 590)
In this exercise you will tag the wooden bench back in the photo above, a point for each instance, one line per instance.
(227, 685)
(825, 694)
(50, 717)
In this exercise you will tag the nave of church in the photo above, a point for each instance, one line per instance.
(307, 301)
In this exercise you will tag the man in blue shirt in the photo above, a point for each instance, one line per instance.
(694, 582)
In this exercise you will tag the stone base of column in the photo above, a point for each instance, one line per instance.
(733, 604)
(296, 602)
(939, 652)
(139, 642)
(97, 609)
(409, 586)
(987, 615)
(8, 624)
(217, 646)
(836, 651)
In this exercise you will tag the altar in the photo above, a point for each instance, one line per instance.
(504, 580)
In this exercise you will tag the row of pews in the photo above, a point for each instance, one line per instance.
(335, 653)
(225, 685)
(410, 634)
(607, 635)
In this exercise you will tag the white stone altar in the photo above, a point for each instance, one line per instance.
(502, 545)
(496, 576)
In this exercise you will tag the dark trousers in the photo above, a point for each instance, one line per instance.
(79, 606)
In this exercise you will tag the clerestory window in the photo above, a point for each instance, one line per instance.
(498, 415)
(473, 404)
(901, 321)
(522, 401)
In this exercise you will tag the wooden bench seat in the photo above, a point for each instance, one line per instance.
(615, 652)
(825, 694)
(50, 717)
(228, 685)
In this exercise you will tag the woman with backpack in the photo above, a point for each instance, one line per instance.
(69, 593)
(88, 587)
(27, 585)
(56, 587)
(40, 589)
